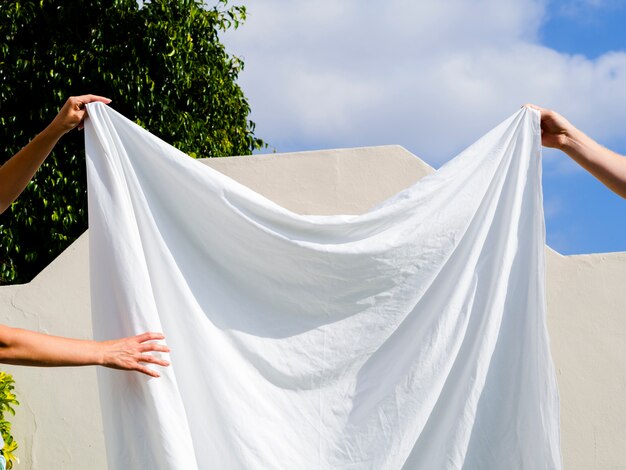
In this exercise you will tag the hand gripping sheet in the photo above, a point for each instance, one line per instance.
(409, 337)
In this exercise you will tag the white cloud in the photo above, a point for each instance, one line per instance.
(430, 75)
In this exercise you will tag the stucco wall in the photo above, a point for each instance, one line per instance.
(587, 324)
(58, 424)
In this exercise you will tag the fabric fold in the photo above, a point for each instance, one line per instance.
(409, 337)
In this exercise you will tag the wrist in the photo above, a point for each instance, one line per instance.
(98, 354)
(52, 133)
(573, 140)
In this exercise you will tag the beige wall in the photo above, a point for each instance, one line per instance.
(587, 324)
(58, 424)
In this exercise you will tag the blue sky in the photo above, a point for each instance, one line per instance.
(434, 76)
(589, 28)
(589, 218)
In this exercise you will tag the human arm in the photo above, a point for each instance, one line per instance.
(18, 171)
(23, 347)
(606, 165)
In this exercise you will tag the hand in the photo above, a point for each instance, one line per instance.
(556, 131)
(17, 172)
(129, 353)
(72, 114)
(606, 165)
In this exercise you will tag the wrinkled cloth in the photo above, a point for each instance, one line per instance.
(409, 337)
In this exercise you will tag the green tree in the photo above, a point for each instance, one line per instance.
(8, 401)
(161, 63)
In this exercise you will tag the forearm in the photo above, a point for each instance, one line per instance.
(18, 171)
(606, 165)
(23, 347)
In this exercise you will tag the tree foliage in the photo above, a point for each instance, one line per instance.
(8, 401)
(161, 63)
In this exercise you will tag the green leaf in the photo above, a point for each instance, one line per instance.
(162, 64)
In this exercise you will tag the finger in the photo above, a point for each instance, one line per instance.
(535, 107)
(154, 347)
(91, 98)
(153, 360)
(81, 112)
(147, 371)
(149, 336)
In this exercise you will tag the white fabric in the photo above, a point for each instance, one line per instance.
(409, 337)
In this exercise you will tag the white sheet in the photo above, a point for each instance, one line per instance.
(409, 337)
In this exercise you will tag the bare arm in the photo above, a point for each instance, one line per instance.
(23, 347)
(18, 171)
(606, 165)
